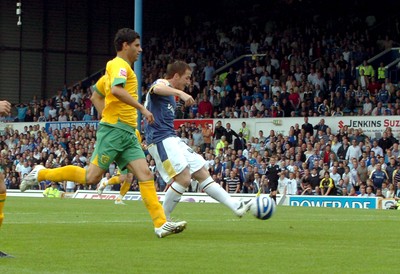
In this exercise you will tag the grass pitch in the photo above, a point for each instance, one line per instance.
(96, 236)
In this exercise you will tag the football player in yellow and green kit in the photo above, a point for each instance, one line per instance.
(116, 139)
(123, 177)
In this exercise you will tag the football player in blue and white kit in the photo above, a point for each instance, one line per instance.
(174, 158)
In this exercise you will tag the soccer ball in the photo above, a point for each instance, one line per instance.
(263, 207)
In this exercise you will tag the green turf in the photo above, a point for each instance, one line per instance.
(94, 236)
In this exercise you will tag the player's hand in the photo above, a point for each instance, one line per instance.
(148, 115)
(5, 107)
(187, 99)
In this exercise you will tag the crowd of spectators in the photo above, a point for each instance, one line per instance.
(306, 69)
(239, 159)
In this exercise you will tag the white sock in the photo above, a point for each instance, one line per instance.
(119, 197)
(215, 191)
(172, 198)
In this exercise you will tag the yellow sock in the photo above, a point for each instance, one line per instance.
(113, 181)
(67, 173)
(2, 201)
(150, 199)
(124, 188)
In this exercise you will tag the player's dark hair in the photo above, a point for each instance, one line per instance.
(179, 67)
(124, 35)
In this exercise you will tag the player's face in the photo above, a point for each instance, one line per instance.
(184, 80)
(134, 49)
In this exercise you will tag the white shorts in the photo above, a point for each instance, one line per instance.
(172, 156)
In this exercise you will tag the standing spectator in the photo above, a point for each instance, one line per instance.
(220, 146)
(87, 116)
(291, 184)
(341, 88)
(62, 117)
(79, 113)
(239, 143)
(378, 176)
(314, 180)
(308, 128)
(207, 136)
(294, 98)
(29, 116)
(367, 106)
(321, 126)
(363, 80)
(362, 171)
(367, 68)
(349, 103)
(245, 131)
(342, 151)
(313, 159)
(205, 107)
(254, 47)
(52, 113)
(229, 133)
(335, 176)
(232, 183)
(376, 148)
(21, 112)
(384, 142)
(382, 73)
(198, 139)
(219, 131)
(383, 95)
(208, 72)
(354, 151)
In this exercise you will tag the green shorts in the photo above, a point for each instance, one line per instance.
(114, 144)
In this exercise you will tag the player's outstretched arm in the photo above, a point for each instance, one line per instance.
(164, 90)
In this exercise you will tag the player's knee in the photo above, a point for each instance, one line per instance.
(201, 175)
(144, 175)
(184, 178)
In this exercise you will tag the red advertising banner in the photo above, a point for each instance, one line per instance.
(188, 122)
